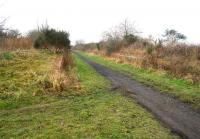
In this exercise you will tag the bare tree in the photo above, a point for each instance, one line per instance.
(112, 34)
(2, 23)
(12, 33)
(2, 20)
(124, 31)
(2, 29)
(127, 28)
(79, 43)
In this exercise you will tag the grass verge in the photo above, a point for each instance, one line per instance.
(94, 113)
(20, 72)
(176, 87)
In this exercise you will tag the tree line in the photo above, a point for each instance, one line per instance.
(126, 34)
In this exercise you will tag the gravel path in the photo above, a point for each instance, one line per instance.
(179, 117)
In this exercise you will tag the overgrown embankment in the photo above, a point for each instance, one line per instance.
(169, 53)
(176, 87)
(180, 61)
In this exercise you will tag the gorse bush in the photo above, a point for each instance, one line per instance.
(51, 37)
(39, 42)
(57, 38)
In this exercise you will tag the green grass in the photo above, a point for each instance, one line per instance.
(6, 55)
(20, 72)
(176, 87)
(94, 113)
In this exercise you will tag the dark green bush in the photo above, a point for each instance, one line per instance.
(98, 46)
(130, 39)
(51, 37)
(39, 42)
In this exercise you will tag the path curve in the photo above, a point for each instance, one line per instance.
(179, 117)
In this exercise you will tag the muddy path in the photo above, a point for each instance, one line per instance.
(177, 116)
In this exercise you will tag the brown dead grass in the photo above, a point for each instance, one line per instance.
(62, 78)
(180, 61)
(10, 44)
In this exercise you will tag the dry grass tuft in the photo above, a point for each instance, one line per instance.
(63, 77)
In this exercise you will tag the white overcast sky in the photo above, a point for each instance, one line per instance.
(87, 19)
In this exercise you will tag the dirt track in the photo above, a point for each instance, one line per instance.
(179, 117)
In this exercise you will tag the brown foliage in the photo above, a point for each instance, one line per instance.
(16, 43)
(63, 76)
(180, 60)
(67, 60)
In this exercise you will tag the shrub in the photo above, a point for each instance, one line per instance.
(150, 50)
(39, 42)
(51, 37)
(113, 45)
(130, 39)
(98, 46)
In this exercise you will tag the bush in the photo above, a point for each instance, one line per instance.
(98, 46)
(39, 42)
(51, 37)
(130, 39)
(113, 45)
